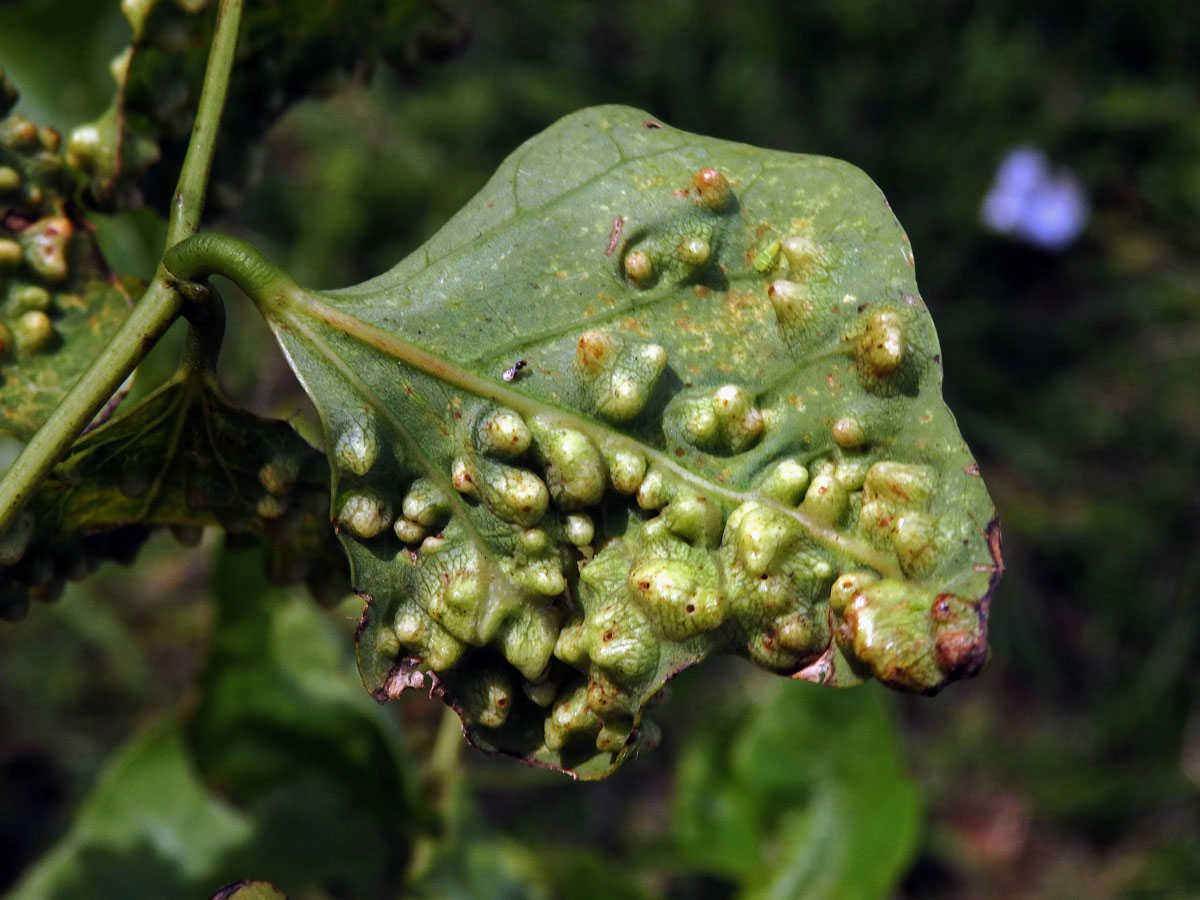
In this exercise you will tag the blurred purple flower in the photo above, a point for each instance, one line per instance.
(1032, 203)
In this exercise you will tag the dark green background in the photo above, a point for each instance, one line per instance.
(1071, 767)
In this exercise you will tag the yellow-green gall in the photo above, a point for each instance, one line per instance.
(278, 475)
(654, 491)
(356, 448)
(621, 393)
(10, 179)
(701, 426)
(453, 593)
(741, 421)
(533, 541)
(574, 470)
(725, 421)
(542, 576)
(916, 541)
(513, 494)
(846, 586)
(462, 479)
(527, 640)
(759, 535)
(408, 531)
(881, 344)
(626, 469)
(270, 507)
(712, 189)
(614, 734)
(426, 504)
(570, 720)
(34, 332)
(899, 485)
(540, 692)
(848, 433)
(28, 297)
(618, 640)
(694, 517)
(785, 482)
(364, 513)
(579, 529)
(825, 501)
(10, 255)
(502, 432)
(851, 471)
(422, 637)
(805, 257)
(639, 268)
(795, 312)
(595, 352)
(45, 246)
(675, 599)
(694, 251)
(606, 698)
(487, 697)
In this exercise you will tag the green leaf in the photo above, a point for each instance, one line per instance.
(266, 776)
(184, 458)
(805, 794)
(287, 50)
(59, 303)
(149, 828)
(597, 429)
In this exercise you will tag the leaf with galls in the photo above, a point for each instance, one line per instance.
(59, 303)
(183, 458)
(728, 437)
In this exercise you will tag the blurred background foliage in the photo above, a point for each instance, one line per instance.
(144, 739)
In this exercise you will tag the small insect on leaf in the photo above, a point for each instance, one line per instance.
(511, 373)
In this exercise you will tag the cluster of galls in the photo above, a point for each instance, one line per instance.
(118, 484)
(34, 568)
(684, 247)
(556, 574)
(35, 234)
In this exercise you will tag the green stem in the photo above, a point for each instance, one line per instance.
(441, 786)
(188, 202)
(244, 264)
(159, 306)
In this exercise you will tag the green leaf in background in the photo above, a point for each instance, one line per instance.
(149, 827)
(286, 51)
(184, 458)
(59, 303)
(185, 807)
(648, 397)
(803, 796)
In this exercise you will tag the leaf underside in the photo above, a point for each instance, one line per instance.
(649, 396)
(183, 458)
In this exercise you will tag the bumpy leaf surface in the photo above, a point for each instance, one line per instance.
(59, 303)
(649, 396)
(185, 458)
(287, 49)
